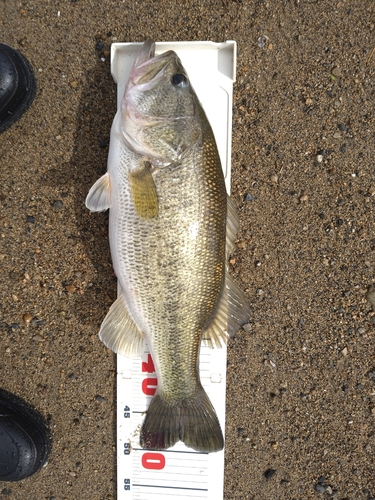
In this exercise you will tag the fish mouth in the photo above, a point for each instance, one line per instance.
(149, 69)
(146, 52)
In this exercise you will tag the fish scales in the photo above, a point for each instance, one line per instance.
(169, 214)
(176, 274)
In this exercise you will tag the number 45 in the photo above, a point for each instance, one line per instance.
(126, 412)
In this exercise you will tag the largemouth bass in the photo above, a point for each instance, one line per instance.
(171, 229)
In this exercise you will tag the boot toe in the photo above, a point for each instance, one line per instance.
(24, 439)
(17, 86)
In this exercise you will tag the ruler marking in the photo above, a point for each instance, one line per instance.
(174, 475)
(182, 495)
(170, 487)
(196, 453)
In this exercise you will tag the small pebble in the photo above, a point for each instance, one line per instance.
(336, 71)
(70, 288)
(337, 135)
(371, 191)
(345, 351)
(99, 398)
(274, 179)
(269, 473)
(99, 46)
(73, 84)
(27, 317)
(319, 488)
(249, 197)
(319, 158)
(303, 198)
(342, 127)
(30, 218)
(57, 204)
(262, 41)
(247, 327)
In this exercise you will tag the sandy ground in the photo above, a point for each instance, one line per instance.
(301, 382)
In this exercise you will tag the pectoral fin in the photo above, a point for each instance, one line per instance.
(119, 332)
(143, 190)
(99, 197)
(233, 311)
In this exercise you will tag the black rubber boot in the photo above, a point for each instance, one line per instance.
(17, 86)
(25, 440)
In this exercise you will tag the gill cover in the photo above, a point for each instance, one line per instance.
(159, 110)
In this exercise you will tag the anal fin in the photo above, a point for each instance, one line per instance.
(119, 332)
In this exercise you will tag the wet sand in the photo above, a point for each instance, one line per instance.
(301, 378)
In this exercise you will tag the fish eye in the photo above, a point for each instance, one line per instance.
(180, 80)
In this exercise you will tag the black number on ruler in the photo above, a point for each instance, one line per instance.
(126, 484)
(126, 412)
(126, 448)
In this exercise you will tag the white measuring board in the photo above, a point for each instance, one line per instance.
(178, 472)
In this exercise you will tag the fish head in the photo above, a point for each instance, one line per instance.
(159, 110)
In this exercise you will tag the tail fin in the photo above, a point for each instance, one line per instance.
(193, 421)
